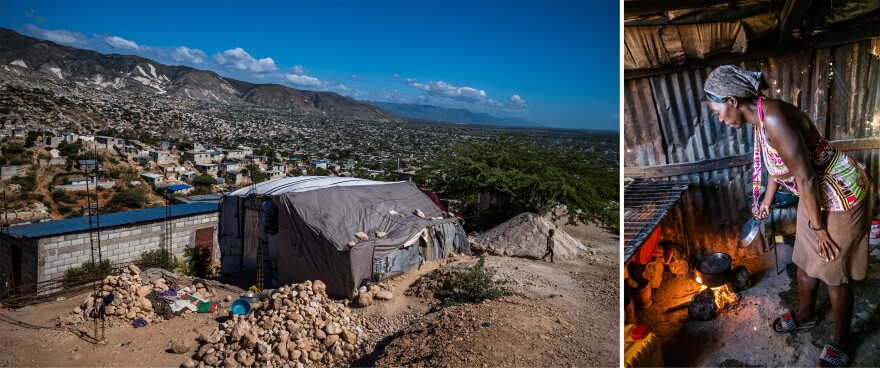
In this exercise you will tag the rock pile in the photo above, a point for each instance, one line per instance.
(299, 324)
(129, 298)
(526, 236)
(374, 292)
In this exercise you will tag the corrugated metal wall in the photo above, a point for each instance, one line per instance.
(667, 121)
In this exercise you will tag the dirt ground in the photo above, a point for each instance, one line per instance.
(28, 338)
(741, 335)
(567, 314)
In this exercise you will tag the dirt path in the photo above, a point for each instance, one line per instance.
(566, 314)
(28, 337)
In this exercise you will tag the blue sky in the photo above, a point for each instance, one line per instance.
(556, 63)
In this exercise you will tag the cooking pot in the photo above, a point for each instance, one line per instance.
(251, 297)
(714, 269)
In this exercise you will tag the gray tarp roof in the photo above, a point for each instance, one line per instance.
(316, 226)
(337, 213)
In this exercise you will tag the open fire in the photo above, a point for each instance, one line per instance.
(722, 295)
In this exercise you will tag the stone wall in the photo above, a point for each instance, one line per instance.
(50, 257)
(102, 184)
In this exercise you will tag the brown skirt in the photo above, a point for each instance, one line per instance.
(849, 230)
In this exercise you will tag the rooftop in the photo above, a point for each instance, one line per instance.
(80, 224)
(177, 187)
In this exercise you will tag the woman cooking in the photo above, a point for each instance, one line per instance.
(832, 219)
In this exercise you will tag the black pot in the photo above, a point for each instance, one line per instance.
(714, 269)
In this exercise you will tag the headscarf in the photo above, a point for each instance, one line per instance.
(732, 81)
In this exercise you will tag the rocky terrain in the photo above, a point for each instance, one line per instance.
(564, 313)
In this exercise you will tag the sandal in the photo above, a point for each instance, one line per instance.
(833, 356)
(787, 324)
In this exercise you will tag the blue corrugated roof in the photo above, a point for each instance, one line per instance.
(177, 187)
(79, 224)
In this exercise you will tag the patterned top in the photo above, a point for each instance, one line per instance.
(843, 180)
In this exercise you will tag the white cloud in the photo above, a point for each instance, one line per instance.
(515, 103)
(35, 16)
(442, 89)
(312, 83)
(188, 55)
(395, 76)
(61, 36)
(303, 80)
(239, 59)
(298, 69)
(117, 42)
(354, 77)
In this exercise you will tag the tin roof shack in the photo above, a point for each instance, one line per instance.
(44, 251)
(822, 58)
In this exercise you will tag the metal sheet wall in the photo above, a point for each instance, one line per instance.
(667, 120)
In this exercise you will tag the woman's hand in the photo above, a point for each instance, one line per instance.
(828, 250)
(763, 210)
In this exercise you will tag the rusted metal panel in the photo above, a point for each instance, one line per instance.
(819, 96)
(855, 97)
(644, 145)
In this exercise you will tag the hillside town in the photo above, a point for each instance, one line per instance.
(68, 139)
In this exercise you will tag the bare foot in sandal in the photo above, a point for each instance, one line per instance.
(788, 322)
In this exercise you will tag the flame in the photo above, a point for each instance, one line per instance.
(700, 281)
(723, 295)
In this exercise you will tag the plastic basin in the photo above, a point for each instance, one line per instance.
(241, 306)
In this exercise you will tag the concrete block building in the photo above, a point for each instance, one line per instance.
(44, 251)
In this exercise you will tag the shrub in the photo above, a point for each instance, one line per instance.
(159, 258)
(204, 180)
(61, 196)
(198, 262)
(472, 285)
(131, 199)
(13, 150)
(87, 272)
(64, 210)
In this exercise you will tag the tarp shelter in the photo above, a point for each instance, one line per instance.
(307, 223)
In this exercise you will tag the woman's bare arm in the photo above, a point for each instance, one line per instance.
(782, 130)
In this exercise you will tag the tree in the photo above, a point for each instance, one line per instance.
(256, 175)
(503, 177)
(185, 146)
(204, 180)
(132, 199)
(70, 149)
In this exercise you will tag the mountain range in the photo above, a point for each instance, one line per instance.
(436, 113)
(135, 74)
